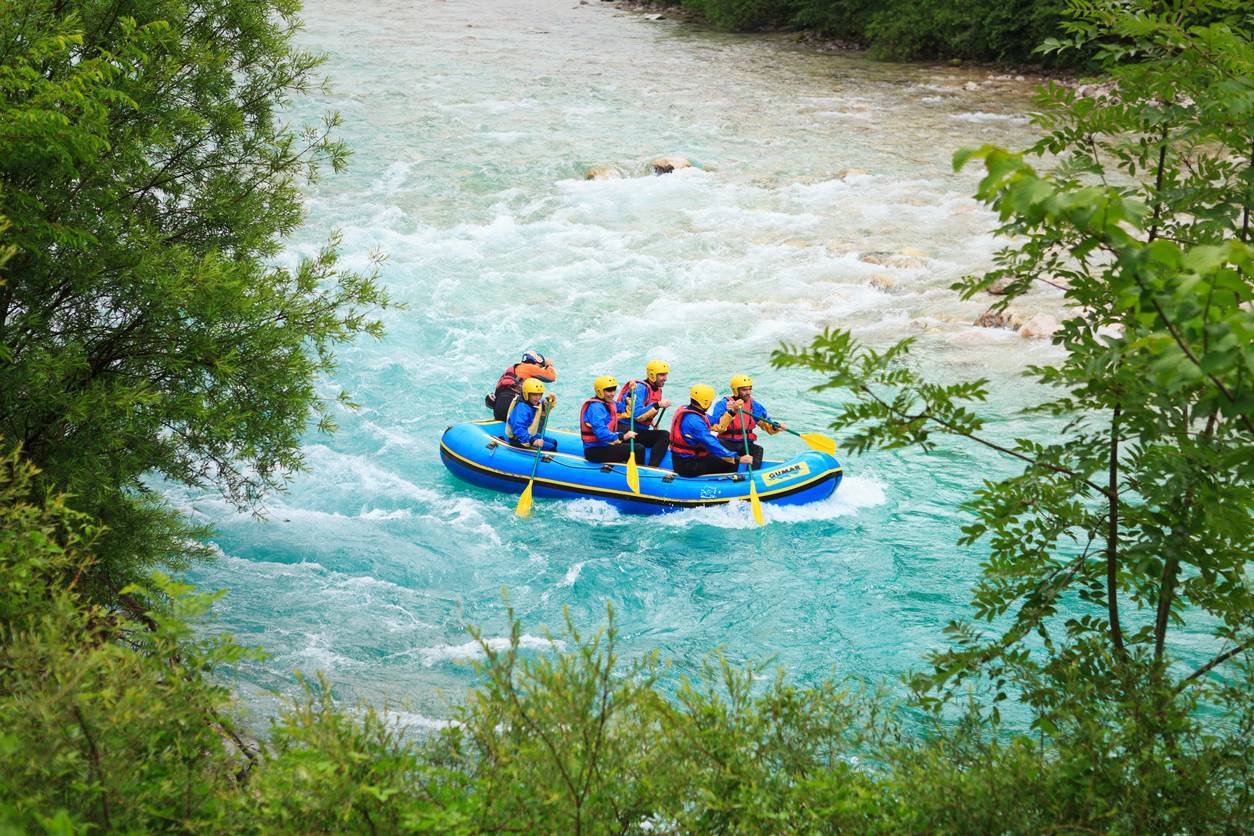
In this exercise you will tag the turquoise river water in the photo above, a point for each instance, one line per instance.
(824, 198)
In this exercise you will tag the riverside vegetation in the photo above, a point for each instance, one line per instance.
(980, 30)
(145, 182)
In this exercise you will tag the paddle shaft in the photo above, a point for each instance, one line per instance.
(631, 424)
(749, 466)
(544, 422)
(776, 425)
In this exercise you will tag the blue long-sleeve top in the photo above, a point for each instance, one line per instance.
(641, 391)
(758, 410)
(520, 422)
(598, 418)
(694, 429)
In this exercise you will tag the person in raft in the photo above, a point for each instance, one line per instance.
(649, 404)
(602, 429)
(522, 422)
(738, 415)
(533, 364)
(695, 450)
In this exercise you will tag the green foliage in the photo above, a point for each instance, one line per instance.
(983, 30)
(113, 715)
(1142, 502)
(107, 721)
(149, 178)
(743, 15)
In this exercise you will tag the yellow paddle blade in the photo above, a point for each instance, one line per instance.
(633, 475)
(755, 503)
(820, 442)
(524, 502)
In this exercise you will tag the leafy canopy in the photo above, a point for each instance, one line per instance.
(149, 176)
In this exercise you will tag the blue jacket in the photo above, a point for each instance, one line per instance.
(598, 417)
(520, 422)
(693, 427)
(720, 409)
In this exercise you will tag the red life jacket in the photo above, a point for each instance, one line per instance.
(736, 430)
(653, 396)
(680, 446)
(585, 429)
(509, 378)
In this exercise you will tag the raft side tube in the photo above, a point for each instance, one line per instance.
(477, 452)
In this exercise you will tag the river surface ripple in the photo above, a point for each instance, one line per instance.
(472, 126)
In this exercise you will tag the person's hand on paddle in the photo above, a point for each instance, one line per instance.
(663, 404)
(746, 459)
(627, 436)
(537, 442)
(735, 404)
(551, 399)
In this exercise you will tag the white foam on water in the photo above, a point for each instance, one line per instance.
(572, 574)
(380, 514)
(474, 650)
(393, 179)
(415, 721)
(860, 115)
(316, 655)
(592, 511)
(854, 494)
(981, 116)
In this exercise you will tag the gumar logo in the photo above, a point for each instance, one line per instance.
(790, 472)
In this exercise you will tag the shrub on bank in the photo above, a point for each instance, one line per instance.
(981, 30)
(111, 724)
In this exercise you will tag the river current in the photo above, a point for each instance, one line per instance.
(822, 196)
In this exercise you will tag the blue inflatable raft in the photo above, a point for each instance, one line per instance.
(478, 453)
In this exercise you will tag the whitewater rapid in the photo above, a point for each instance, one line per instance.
(821, 196)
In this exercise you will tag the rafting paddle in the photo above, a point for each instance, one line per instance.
(633, 475)
(816, 441)
(754, 502)
(524, 502)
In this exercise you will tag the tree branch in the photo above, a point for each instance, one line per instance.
(990, 444)
(1112, 536)
(1213, 663)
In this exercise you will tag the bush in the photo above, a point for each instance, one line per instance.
(744, 15)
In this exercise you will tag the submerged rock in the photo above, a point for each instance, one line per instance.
(992, 318)
(999, 287)
(1041, 325)
(882, 281)
(603, 172)
(666, 165)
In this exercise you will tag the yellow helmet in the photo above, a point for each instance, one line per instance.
(655, 368)
(532, 386)
(605, 381)
(740, 381)
(703, 394)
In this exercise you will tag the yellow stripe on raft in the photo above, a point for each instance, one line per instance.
(589, 489)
